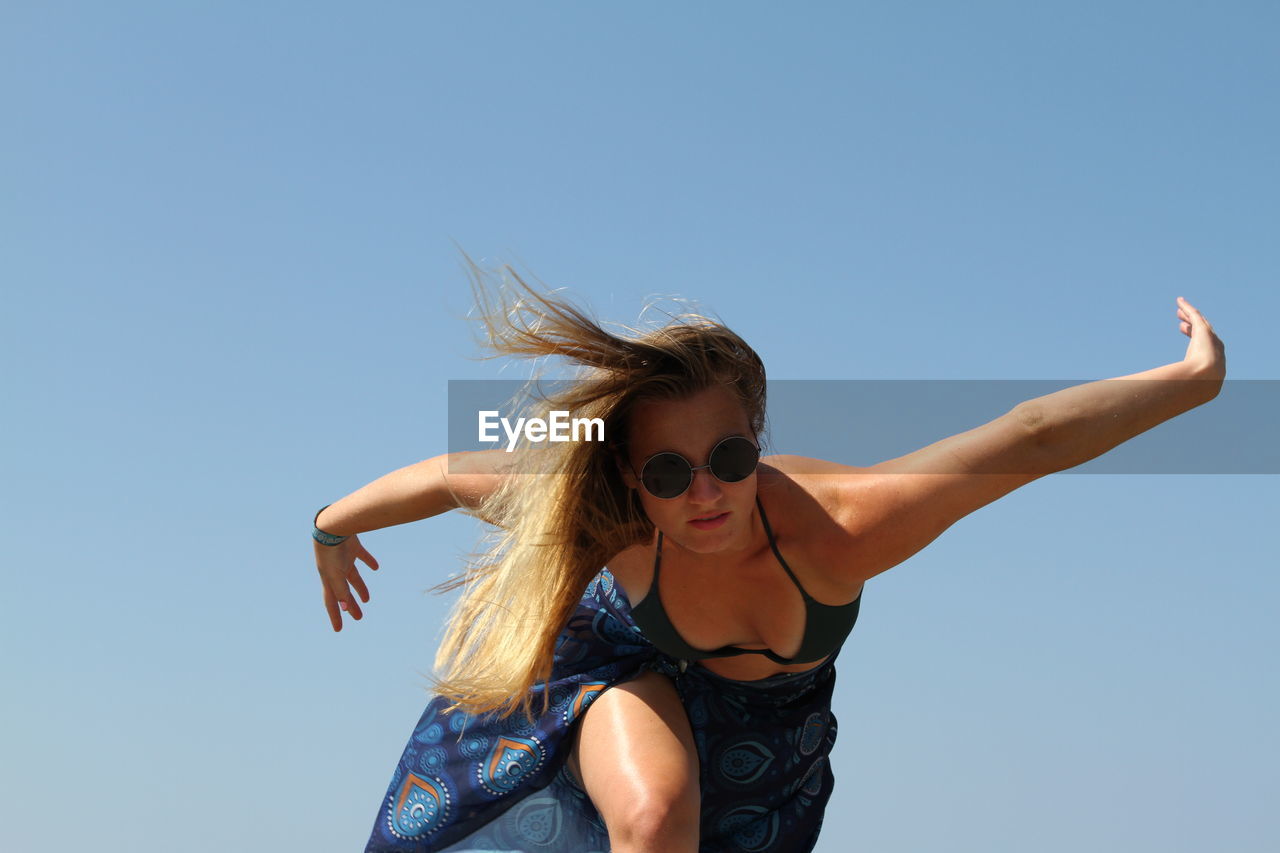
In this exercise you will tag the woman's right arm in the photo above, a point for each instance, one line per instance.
(418, 491)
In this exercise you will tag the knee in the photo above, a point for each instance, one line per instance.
(664, 817)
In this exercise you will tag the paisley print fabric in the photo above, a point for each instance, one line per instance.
(478, 783)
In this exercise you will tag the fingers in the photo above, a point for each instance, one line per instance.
(348, 601)
(344, 601)
(337, 574)
(1190, 314)
(358, 583)
(331, 605)
(1188, 317)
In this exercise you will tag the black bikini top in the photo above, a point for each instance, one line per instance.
(825, 628)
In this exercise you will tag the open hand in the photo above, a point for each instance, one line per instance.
(337, 567)
(1206, 352)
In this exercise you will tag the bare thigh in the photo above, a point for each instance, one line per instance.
(635, 756)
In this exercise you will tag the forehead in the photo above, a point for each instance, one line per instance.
(688, 425)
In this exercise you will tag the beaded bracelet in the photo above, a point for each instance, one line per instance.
(322, 537)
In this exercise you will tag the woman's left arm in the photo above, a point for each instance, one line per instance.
(1077, 424)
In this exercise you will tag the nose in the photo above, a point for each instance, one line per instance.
(705, 488)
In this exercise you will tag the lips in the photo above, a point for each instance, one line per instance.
(708, 521)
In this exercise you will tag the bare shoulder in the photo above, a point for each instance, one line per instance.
(812, 504)
(820, 486)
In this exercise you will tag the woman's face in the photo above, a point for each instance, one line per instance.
(691, 426)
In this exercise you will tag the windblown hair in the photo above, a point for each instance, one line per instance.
(567, 512)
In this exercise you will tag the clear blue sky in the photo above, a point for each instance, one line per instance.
(232, 296)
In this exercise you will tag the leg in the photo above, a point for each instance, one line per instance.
(635, 756)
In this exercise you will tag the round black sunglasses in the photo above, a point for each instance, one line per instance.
(668, 475)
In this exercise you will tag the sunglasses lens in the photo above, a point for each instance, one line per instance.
(734, 459)
(666, 475)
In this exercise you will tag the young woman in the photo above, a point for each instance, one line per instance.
(644, 661)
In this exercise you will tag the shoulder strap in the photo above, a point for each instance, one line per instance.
(657, 562)
(774, 545)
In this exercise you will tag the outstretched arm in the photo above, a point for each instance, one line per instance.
(894, 509)
(1077, 424)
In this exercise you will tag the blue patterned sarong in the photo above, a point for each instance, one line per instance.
(479, 783)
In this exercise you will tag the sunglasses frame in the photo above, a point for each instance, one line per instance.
(694, 468)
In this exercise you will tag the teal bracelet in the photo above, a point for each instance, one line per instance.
(322, 537)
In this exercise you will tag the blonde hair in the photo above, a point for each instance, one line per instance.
(568, 511)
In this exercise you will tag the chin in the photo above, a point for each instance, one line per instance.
(703, 547)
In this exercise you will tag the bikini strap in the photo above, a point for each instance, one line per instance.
(657, 561)
(769, 532)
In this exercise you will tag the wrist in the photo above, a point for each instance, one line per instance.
(322, 536)
(1216, 370)
(1208, 376)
